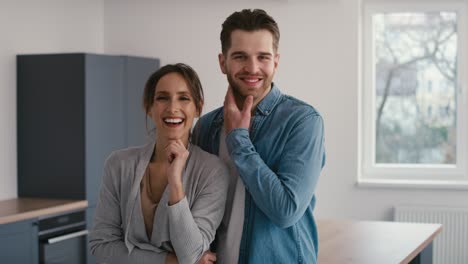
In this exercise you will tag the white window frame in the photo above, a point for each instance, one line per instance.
(401, 175)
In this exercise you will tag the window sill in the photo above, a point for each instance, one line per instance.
(413, 184)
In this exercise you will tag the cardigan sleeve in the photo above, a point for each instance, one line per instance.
(106, 238)
(193, 229)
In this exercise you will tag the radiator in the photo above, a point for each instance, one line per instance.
(451, 245)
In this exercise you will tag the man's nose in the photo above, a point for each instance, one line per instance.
(251, 66)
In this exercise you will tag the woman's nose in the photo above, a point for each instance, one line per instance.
(173, 106)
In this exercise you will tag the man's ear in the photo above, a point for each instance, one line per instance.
(222, 62)
(276, 60)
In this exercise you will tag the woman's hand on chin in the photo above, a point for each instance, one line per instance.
(177, 156)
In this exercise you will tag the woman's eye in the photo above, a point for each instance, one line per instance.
(185, 98)
(160, 98)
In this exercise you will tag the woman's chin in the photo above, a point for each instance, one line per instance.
(174, 136)
(177, 137)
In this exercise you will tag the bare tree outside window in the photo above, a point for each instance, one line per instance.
(415, 87)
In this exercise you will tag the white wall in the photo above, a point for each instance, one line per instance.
(319, 58)
(46, 26)
(319, 64)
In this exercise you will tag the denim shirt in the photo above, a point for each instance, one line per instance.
(279, 160)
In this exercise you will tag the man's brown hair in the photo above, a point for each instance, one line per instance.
(248, 20)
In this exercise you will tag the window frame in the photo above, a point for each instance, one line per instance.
(417, 175)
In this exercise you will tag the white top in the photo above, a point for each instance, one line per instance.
(229, 233)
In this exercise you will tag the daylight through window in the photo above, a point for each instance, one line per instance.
(413, 122)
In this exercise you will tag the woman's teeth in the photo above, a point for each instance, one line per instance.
(173, 120)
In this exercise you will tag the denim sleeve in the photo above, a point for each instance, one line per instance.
(282, 195)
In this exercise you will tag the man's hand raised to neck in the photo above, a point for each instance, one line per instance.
(234, 117)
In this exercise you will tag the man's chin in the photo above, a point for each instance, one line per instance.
(246, 91)
(243, 96)
(255, 92)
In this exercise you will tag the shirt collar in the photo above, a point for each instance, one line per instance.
(266, 105)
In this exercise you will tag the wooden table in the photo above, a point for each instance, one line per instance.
(368, 242)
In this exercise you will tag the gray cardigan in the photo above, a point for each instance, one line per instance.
(186, 228)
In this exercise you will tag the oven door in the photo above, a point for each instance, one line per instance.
(63, 239)
(67, 249)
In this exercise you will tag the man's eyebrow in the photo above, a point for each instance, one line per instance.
(238, 53)
(244, 53)
(265, 53)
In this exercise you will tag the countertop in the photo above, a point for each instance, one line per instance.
(364, 242)
(18, 209)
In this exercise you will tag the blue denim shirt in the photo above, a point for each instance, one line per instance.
(279, 161)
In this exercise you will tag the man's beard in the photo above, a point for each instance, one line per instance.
(237, 88)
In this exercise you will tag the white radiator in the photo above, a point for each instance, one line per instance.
(451, 245)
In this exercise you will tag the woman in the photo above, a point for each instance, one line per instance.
(162, 202)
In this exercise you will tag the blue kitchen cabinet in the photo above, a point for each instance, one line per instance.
(19, 243)
(73, 110)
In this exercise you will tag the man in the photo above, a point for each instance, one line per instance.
(273, 144)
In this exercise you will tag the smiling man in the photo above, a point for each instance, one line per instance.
(273, 144)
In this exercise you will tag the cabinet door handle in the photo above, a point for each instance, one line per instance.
(67, 236)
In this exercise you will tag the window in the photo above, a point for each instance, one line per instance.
(413, 56)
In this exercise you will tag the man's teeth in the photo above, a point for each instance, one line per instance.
(251, 80)
(173, 120)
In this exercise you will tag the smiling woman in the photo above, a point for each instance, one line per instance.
(162, 202)
(173, 97)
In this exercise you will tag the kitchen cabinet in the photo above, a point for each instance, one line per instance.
(38, 230)
(18, 242)
(73, 111)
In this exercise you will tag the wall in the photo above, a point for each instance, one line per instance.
(48, 26)
(319, 64)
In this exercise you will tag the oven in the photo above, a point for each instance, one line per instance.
(63, 239)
